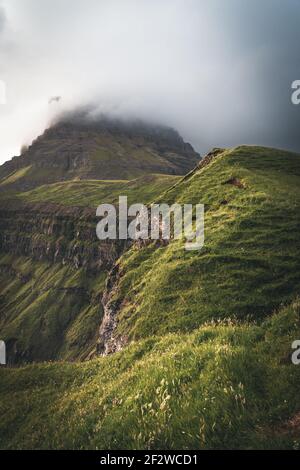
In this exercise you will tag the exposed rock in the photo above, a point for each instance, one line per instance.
(236, 182)
(215, 152)
(57, 234)
(99, 149)
(107, 343)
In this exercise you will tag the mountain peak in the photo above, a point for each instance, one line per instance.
(82, 146)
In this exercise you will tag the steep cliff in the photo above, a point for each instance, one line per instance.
(55, 233)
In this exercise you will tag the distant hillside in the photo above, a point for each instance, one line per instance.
(78, 148)
(90, 193)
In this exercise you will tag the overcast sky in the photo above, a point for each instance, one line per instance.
(220, 71)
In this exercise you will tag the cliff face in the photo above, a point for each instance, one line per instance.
(52, 274)
(53, 233)
(104, 149)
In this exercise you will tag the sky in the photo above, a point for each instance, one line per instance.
(218, 71)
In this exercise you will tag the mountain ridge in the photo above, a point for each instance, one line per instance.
(106, 149)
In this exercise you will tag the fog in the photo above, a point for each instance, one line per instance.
(218, 71)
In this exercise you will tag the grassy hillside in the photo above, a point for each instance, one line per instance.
(91, 193)
(223, 386)
(48, 311)
(250, 264)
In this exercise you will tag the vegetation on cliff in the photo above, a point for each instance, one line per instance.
(91, 193)
(208, 335)
(48, 311)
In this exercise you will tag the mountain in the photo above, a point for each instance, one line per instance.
(108, 149)
(179, 349)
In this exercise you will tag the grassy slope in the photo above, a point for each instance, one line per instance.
(225, 384)
(222, 386)
(12, 178)
(250, 263)
(53, 311)
(91, 193)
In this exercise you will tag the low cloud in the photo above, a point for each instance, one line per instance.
(218, 72)
(2, 20)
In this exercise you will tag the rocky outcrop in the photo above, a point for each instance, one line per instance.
(57, 234)
(107, 342)
(205, 161)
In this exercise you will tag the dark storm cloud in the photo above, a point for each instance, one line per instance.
(267, 34)
(219, 71)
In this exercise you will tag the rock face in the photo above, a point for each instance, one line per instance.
(52, 273)
(48, 232)
(77, 147)
(107, 343)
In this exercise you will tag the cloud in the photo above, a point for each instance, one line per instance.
(218, 72)
(2, 20)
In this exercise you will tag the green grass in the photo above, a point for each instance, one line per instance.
(210, 333)
(91, 193)
(250, 264)
(48, 311)
(226, 385)
(40, 318)
(18, 174)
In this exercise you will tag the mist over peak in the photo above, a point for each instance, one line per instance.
(221, 76)
(83, 144)
(93, 117)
